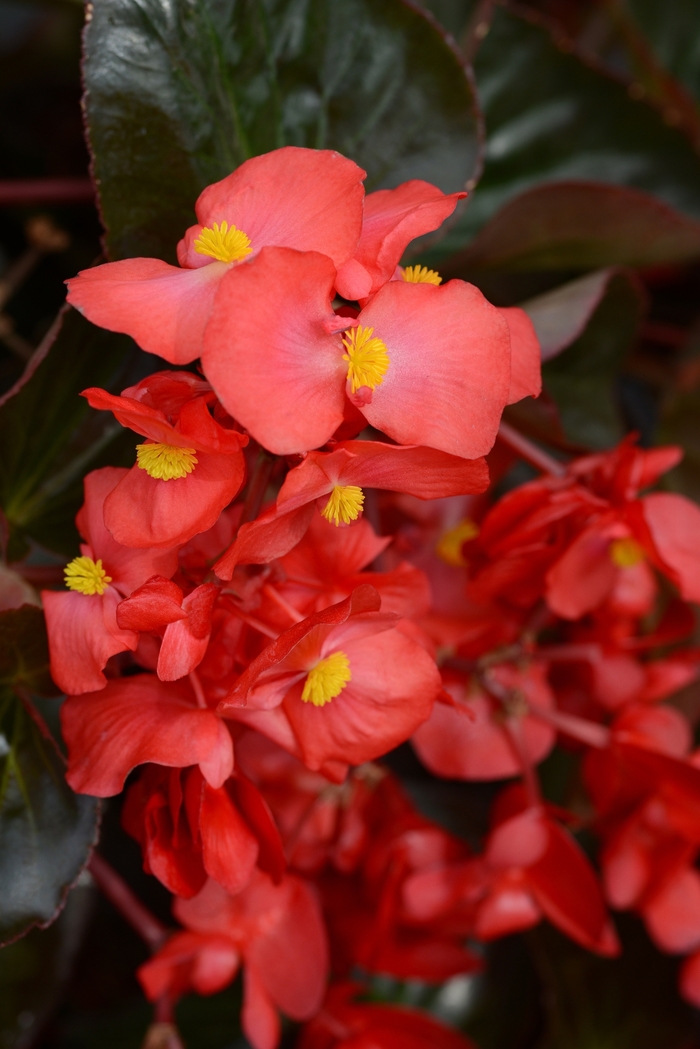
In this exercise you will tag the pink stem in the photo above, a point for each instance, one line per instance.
(150, 929)
(588, 732)
(514, 731)
(530, 452)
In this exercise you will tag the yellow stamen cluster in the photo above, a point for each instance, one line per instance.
(223, 243)
(449, 547)
(86, 576)
(344, 504)
(327, 679)
(367, 357)
(421, 275)
(626, 553)
(165, 462)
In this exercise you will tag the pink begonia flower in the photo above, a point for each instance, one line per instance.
(428, 365)
(306, 199)
(81, 621)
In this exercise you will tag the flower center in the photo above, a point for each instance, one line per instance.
(368, 360)
(421, 275)
(164, 461)
(86, 576)
(626, 553)
(327, 679)
(344, 504)
(449, 547)
(223, 243)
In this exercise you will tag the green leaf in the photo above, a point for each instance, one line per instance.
(579, 225)
(50, 437)
(180, 92)
(561, 315)
(551, 116)
(673, 32)
(582, 378)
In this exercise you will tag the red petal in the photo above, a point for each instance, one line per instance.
(674, 523)
(583, 577)
(144, 511)
(229, 849)
(136, 720)
(151, 606)
(83, 634)
(672, 916)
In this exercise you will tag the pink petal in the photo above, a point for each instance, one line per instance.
(525, 356)
(449, 366)
(83, 634)
(259, 1018)
(307, 199)
(392, 219)
(164, 308)
(128, 568)
(268, 352)
(674, 523)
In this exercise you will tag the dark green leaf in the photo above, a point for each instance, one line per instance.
(673, 33)
(582, 378)
(24, 651)
(50, 438)
(46, 831)
(180, 92)
(579, 225)
(550, 117)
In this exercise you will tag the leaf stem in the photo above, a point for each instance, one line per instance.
(530, 452)
(112, 885)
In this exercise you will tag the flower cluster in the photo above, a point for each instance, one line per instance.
(301, 571)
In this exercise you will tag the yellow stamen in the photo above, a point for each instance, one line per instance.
(165, 462)
(86, 576)
(449, 547)
(222, 243)
(368, 360)
(327, 679)
(344, 504)
(421, 275)
(626, 553)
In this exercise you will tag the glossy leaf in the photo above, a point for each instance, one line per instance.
(561, 315)
(50, 438)
(46, 831)
(551, 117)
(580, 225)
(178, 94)
(581, 379)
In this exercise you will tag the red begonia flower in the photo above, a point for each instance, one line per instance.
(306, 199)
(468, 737)
(81, 623)
(160, 603)
(188, 830)
(344, 1023)
(277, 931)
(435, 371)
(138, 720)
(335, 479)
(350, 685)
(392, 219)
(326, 566)
(188, 470)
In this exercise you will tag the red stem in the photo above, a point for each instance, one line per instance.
(46, 191)
(530, 452)
(588, 732)
(150, 929)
